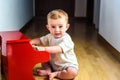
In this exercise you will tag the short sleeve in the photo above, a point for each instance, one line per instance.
(45, 40)
(67, 44)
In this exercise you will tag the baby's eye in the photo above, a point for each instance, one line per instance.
(60, 26)
(53, 26)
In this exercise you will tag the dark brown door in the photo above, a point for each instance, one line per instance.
(42, 7)
(90, 11)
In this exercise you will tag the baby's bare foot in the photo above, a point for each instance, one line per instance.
(52, 75)
(42, 72)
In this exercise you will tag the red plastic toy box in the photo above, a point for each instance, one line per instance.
(18, 56)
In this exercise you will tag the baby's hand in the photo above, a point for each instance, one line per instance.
(35, 47)
(41, 48)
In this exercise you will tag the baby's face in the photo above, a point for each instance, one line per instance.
(57, 27)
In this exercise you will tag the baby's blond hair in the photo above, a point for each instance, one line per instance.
(56, 14)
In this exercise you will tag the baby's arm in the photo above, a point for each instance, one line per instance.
(35, 41)
(51, 49)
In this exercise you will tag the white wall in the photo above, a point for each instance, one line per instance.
(96, 13)
(80, 8)
(14, 14)
(109, 26)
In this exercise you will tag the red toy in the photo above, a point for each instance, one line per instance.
(18, 56)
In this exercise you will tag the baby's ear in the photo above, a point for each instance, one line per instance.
(47, 26)
(68, 25)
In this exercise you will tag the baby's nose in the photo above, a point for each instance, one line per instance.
(57, 29)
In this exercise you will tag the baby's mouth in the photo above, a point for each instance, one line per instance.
(57, 34)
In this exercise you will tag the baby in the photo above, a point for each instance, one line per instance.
(63, 62)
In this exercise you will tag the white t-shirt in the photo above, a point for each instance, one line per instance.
(62, 60)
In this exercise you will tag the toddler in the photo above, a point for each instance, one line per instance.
(59, 44)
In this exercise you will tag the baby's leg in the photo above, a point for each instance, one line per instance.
(69, 73)
(45, 70)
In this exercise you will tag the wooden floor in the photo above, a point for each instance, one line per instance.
(95, 59)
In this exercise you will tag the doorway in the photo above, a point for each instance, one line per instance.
(42, 7)
(90, 11)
